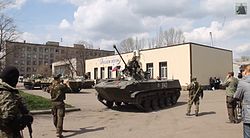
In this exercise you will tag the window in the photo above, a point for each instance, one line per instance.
(28, 48)
(51, 49)
(57, 50)
(46, 49)
(102, 72)
(51, 55)
(22, 62)
(40, 49)
(34, 49)
(28, 69)
(40, 62)
(34, 62)
(163, 70)
(16, 62)
(150, 70)
(41, 56)
(88, 75)
(110, 72)
(28, 62)
(62, 51)
(117, 71)
(95, 73)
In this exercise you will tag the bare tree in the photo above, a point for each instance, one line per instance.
(5, 3)
(7, 31)
(127, 45)
(86, 44)
(173, 36)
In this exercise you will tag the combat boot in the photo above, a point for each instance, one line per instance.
(188, 114)
(196, 114)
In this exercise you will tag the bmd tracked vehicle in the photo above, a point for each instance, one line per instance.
(135, 88)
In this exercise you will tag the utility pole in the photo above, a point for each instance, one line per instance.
(211, 37)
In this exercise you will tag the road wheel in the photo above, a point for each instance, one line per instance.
(146, 104)
(162, 102)
(155, 104)
(167, 101)
(118, 103)
(109, 104)
(173, 99)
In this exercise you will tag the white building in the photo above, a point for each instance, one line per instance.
(181, 61)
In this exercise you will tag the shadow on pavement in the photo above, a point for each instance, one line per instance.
(206, 113)
(134, 109)
(81, 131)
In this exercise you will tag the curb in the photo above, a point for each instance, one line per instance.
(38, 112)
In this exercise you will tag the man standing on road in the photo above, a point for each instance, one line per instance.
(231, 85)
(243, 93)
(195, 91)
(14, 116)
(57, 92)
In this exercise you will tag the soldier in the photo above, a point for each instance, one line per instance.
(243, 94)
(134, 67)
(231, 85)
(195, 91)
(14, 116)
(57, 92)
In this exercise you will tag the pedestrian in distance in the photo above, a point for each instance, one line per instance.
(231, 85)
(243, 93)
(195, 92)
(14, 115)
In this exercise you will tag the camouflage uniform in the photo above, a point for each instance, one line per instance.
(57, 92)
(135, 70)
(12, 108)
(195, 91)
(231, 86)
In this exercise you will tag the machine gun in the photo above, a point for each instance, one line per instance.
(133, 69)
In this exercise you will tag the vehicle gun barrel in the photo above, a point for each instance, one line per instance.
(120, 55)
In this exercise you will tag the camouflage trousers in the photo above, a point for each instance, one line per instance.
(58, 112)
(196, 102)
(231, 105)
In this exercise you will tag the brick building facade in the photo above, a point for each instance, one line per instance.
(29, 57)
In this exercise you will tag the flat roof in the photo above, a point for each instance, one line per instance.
(175, 45)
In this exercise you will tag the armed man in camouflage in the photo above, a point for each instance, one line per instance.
(231, 85)
(57, 91)
(195, 91)
(14, 116)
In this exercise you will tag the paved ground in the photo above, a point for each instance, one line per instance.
(96, 121)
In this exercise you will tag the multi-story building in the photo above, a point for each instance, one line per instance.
(30, 57)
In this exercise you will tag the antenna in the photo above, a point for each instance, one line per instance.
(211, 36)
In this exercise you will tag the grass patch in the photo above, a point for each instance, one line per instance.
(35, 102)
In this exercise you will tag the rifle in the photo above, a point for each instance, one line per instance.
(197, 91)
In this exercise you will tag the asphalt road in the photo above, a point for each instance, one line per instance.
(96, 121)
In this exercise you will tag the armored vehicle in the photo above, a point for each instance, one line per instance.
(32, 82)
(135, 88)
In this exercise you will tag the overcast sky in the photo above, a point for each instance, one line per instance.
(107, 22)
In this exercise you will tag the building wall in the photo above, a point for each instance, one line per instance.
(177, 58)
(210, 62)
(28, 57)
(182, 60)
